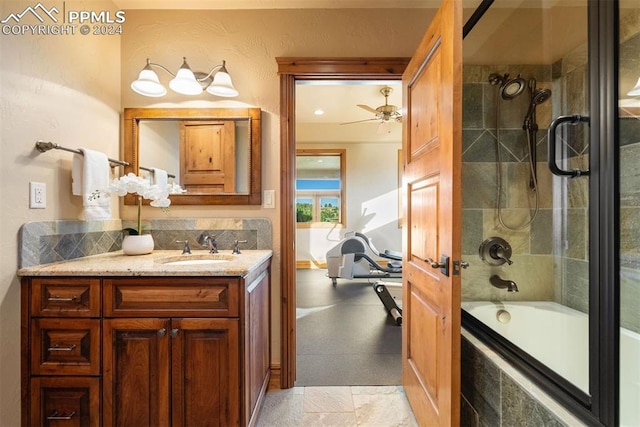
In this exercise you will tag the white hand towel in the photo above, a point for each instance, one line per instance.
(160, 178)
(92, 183)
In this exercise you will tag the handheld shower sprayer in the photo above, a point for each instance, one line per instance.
(530, 125)
(508, 89)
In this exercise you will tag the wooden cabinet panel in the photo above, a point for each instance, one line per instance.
(65, 297)
(205, 372)
(65, 402)
(136, 372)
(257, 339)
(65, 346)
(176, 296)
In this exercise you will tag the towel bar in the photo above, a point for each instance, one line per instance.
(44, 146)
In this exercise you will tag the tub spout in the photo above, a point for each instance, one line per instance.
(499, 283)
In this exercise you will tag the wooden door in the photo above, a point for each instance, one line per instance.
(208, 156)
(136, 372)
(432, 140)
(205, 377)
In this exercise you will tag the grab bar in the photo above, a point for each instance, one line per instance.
(44, 146)
(551, 136)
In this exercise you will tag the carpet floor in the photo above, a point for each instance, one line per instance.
(344, 334)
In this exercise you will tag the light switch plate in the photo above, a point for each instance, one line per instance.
(37, 195)
(269, 199)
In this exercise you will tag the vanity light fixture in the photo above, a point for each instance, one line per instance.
(186, 82)
(636, 90)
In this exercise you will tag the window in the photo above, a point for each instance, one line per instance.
(320, 186)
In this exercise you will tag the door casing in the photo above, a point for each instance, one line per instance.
(291, 69)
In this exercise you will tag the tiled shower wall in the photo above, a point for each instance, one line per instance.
(630, 180)
(536, 252)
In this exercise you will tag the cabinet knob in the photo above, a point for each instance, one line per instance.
(174, 333)
(162, 332)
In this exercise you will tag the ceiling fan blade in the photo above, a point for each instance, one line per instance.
(359, 121)
(369, 109)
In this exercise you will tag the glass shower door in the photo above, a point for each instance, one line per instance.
(526, 71)
(629, 146)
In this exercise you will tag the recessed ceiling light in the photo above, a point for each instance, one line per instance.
(318, 112)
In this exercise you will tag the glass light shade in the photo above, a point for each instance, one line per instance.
(636, 90)
(185, 81)
(222, 85)
(148, 84)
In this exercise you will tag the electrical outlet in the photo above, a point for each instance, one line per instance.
(37, 195)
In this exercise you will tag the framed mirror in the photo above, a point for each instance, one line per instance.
(213, 153)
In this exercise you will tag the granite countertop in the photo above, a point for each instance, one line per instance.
(154, 264)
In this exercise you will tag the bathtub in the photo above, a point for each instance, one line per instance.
(558, 336)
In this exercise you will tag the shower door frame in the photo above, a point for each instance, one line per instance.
(601, 406)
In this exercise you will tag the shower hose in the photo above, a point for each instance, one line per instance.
(531, 167)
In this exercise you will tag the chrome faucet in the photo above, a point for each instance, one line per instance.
(236, 246)
(499, 283)
(205, 239)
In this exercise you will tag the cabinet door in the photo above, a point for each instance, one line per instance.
(136, 372)
(208, 156)
(205, 383)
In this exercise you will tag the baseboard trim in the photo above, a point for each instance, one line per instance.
(274, 380)
(308, 264)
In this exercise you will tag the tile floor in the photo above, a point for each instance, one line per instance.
(369, 406)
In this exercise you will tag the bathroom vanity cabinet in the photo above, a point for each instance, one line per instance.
(145, 350)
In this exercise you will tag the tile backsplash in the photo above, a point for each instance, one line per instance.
(45, 242)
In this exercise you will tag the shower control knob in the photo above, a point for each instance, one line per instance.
(495, 251)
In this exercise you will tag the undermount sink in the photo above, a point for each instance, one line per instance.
(195, 262)
(207, 259)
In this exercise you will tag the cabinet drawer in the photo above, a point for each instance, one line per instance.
(172, 296)
(65, 297)
(65, 347)
(65, 401)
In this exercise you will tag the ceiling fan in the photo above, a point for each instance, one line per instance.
(383, 113)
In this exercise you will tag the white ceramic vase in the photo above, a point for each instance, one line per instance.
(137, 245)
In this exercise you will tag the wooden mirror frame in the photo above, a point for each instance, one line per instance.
(132, 117)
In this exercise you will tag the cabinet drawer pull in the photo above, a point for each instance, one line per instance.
(57, 416)
(60, 299)
(58, 348)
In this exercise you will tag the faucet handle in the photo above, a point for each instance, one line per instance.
(236, 246)
(203, 238)
(186, 249)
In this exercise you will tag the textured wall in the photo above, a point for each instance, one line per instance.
(65, 89)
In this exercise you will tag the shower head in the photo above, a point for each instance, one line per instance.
(509, 88)
(540, 95)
